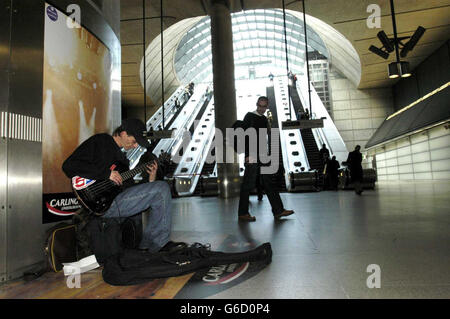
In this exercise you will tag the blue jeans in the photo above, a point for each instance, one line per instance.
(137, 199)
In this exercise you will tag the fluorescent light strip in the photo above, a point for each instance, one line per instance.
(423, 98)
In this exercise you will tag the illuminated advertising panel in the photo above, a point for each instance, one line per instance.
(77, 103)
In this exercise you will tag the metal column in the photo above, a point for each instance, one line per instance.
(224, 93)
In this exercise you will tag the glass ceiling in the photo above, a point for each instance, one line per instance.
(259, 46)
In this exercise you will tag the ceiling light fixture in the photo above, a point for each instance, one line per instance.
(404, 69)
(393, 70)
(412, 42)
(398, 68)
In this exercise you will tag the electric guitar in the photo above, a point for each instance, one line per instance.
(98, 195)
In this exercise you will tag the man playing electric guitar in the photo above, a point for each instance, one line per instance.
(93, 168)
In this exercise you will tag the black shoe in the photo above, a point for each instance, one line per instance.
(172, 246)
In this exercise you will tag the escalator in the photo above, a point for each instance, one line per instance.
(312, 151)
(195, 153)
(170, 166)
(177, 112)
(208, 169)
(297, 174)
(277, 179)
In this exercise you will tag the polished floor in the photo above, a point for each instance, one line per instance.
(325, 248)
(322, 251)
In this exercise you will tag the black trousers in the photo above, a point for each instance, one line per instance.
(250, 175)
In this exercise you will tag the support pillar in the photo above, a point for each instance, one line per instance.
(224, 94)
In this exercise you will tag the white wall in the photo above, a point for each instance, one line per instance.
(358, 113)
(422, 156)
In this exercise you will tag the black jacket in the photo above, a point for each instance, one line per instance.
(255, 121)
(94, 158)
(354, 160)
(332, 166)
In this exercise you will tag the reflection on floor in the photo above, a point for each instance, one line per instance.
(327, 249)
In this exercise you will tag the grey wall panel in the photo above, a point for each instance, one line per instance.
(383, 131)
(27, 54)
(434, 71)
(5, 28)
(111, 12)
(3, 205)
(405, 92)
(5, 33)
(431, 111)
(428, 76)
(5, 21)
(25, 230)
(437, 109)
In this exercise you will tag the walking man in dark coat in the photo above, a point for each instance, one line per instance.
(354, 160)
(257, 120)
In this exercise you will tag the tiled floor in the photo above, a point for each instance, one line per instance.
(323, 251)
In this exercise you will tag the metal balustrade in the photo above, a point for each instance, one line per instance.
(194, 156)
(328, 135)
(292, 148)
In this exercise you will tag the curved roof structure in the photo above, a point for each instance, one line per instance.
(259, 39)
(349, 17)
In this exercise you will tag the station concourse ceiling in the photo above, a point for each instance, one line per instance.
(349, 17)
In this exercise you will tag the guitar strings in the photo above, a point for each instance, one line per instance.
(105, 184)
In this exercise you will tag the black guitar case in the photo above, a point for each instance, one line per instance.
(132, 267)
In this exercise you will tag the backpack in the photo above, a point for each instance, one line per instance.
(111, 236)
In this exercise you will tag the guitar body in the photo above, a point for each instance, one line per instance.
(96, 196)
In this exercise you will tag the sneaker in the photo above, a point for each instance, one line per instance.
(283, 213)
(247, 218)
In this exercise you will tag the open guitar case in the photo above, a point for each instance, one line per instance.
(131, 267)
(114, 243)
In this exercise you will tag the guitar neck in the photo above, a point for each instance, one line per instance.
(131, 173)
